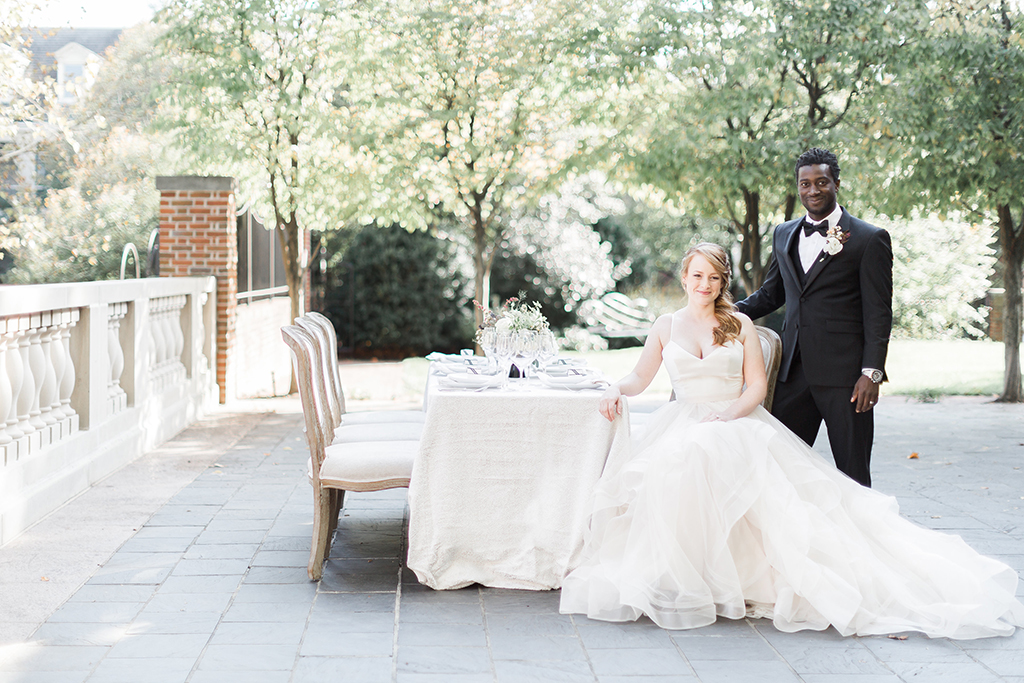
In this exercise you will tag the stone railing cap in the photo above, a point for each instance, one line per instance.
(195, 182)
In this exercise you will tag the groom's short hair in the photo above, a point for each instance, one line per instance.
(815, 156)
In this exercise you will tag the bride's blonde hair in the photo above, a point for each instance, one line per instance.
(729, 326)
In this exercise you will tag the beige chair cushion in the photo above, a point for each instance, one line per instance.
(369, 465)
(380, 431)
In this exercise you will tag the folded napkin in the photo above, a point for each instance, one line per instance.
(591, 380)
(468, 380)
(568, 370)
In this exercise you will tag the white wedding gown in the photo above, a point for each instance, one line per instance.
(742, 518)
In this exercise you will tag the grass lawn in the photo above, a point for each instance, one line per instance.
(925, 369)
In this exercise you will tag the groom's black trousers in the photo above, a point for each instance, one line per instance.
(802, 406)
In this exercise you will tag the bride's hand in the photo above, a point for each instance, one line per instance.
(610, 404)
(716, 417)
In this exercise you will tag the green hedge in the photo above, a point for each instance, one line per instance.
(392, 293)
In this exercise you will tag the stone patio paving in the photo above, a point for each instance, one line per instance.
(208, 583)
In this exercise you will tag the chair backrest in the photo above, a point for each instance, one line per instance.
(307, 363)
(319, 334)
(332, 354)
(771, 348)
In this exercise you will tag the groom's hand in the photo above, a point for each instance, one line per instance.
(865, 394)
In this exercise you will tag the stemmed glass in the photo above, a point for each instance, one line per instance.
(487, 340)
(504, 349)
(547, 348)
(525, 350)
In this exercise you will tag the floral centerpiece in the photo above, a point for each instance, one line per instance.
(500, 335)
(515, 315)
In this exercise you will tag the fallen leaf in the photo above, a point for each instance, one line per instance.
(898, 637)
(984, 488)
(44, 578)
(936, 516)
(913, 456)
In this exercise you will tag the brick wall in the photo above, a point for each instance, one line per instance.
(197, 238)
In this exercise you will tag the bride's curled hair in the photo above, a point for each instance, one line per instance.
(729, 326)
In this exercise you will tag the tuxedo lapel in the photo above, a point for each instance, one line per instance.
(789, 235)
(825, 258)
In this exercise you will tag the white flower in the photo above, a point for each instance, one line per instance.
(503, 325)
(833, 246)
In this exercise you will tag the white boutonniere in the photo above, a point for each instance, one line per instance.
(835, 238)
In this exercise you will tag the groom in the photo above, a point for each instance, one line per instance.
(834, 274)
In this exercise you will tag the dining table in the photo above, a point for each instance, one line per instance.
(502, 484)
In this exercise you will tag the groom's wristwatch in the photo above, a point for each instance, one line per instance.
(872, 374)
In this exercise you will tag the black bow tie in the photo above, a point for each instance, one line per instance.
(820, 228)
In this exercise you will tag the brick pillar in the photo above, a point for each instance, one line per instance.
(198, 237)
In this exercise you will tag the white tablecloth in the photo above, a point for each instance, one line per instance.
(501, 486)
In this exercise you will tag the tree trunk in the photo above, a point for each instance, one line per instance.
(750, 266)
(790, 207)
(288, 238)
(1011, 254)
(482, 274)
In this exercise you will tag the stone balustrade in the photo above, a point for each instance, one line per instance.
(91, 376)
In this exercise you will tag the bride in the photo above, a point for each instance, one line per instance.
(724, 512)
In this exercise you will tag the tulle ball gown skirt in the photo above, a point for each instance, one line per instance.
(742, 518)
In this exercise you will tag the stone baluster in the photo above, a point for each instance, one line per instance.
(167, 330)
(200, 334)
(28, 391)
(58, 360)
(48, 390)
(67, 380)
(15, 373)
(6, 394)
(156, 333)
(37, 363)
(116, 354)
(179, 335)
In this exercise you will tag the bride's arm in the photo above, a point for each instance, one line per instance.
(753, 375)
(644, 372)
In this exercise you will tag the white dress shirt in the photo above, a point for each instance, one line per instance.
(811, 245)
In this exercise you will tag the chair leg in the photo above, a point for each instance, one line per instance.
(321, 537)
(337, 502)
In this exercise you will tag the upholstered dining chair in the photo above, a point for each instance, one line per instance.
(334, 469)
(771, 349)
(333, 372)
(395, 429)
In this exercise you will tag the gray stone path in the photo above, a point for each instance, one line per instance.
(213, 587)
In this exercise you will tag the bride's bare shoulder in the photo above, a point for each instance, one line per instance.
(662, 328)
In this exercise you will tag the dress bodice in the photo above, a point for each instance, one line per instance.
(716, 377)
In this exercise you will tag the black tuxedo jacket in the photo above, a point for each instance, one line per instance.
(840, 313)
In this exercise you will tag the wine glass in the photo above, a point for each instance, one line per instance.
(547, 348)
(504, 349)
(525, 350)
(487, 340)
